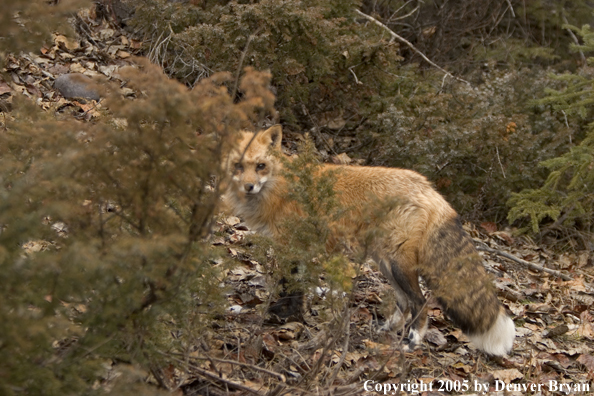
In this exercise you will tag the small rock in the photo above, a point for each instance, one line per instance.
(75, 85)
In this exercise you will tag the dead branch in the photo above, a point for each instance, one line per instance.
(279, 376)
(247, 45)
(345, 348)
(518, 260)
(231, 384)
(575, 39)
(410, 45)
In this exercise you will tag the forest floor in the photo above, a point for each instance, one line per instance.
(553, 318)
(249, 353)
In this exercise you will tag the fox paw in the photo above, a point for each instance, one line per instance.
(411, 342)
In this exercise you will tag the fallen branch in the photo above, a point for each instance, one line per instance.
(533, 266)
(279, 376)
(222, 381)
(409, 44)
(213, 377)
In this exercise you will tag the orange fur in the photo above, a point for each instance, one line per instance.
(420, 235)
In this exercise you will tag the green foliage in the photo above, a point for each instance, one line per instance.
(544, 22)
(514, 51)
(344, 77)
(102, 243)
(465, 34)
(566, 197)
(312, 48)
(309, 234)
(567, 191)
(478, 144)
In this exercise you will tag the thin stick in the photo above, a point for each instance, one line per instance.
(247, 45)
(500, 164)
(575, 40)
(511, 8)
(536, 267)
(279, 376)
(214, 377)
(410, 45)
(345, 349)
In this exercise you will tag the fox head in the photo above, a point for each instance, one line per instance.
(253, 164)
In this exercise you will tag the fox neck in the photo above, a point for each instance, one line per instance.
(263, 211)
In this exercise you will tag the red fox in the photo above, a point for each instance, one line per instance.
(422, 236)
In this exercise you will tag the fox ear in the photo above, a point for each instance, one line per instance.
(273, 136)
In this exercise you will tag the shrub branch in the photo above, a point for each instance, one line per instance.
(410, 45)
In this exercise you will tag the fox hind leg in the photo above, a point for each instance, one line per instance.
(404, 279)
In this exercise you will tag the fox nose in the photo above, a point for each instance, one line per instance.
(248, 187)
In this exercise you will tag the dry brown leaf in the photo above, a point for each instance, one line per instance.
(565, 261)
(65, 42)
(341, 159)
(106, 33)
(217, 241)
(77, 68)
(236, 237)
(576, 285)
(505, 236)
(463, 367)
(563, 360)
(361, 314)
(375, 346)
(84, 106)
(4, 88)
(232, 220)
(354, 357)
(588, 361)
(585, 328)
(508, 375)
(489, 227)
(289, 331)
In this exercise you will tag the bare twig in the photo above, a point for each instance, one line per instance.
(345, 349)
(511, 8)
(567, 125)
(499, 159)
(393, 19)
(279, 376)
(575, 39)
(247, 45)
(229, 383)
(158, 51)
(214, 377)
(410, 45)
(354, 75)
(316, 129)
(533, 266)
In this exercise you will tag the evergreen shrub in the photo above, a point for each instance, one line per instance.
(477, 143)
(102, 250)
(565, 202)
(326, 66)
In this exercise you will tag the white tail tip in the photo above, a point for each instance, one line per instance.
(499, 339)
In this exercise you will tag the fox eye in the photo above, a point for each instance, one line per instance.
(260, 166)
(238, 167)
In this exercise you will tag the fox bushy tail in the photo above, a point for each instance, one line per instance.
(454, 272)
